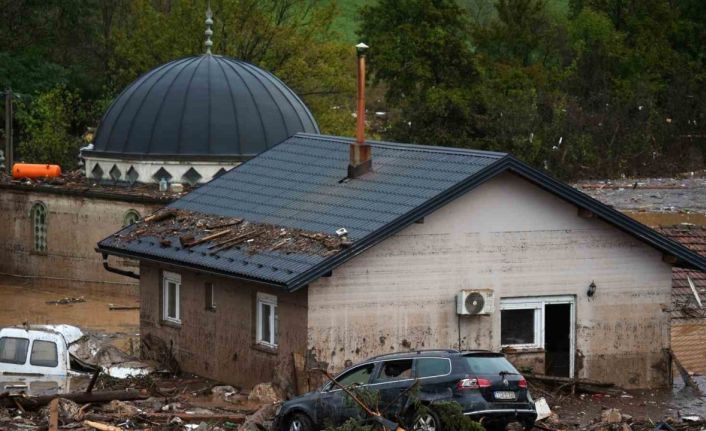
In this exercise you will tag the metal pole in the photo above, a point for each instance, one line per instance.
(9, 157)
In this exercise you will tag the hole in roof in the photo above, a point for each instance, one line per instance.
(231, 260)
(259, 265)
(245, 262)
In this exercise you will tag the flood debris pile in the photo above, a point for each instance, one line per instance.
(140, 403)
(185, 230)
(77, 181)
(612, 419)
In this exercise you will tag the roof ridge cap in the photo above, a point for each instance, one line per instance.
(407, 146)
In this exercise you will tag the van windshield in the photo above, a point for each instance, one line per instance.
(489, 365)
(13, 350)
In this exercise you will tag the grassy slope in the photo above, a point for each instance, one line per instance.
(346, 23)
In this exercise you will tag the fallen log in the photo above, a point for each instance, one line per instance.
(688, 380)
(101, 426)
(257, 420)
(163, 215)
(208, 238)
(33, 403)
(236, 418)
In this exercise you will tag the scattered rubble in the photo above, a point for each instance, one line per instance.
(77, 181)
(68, 300)
(184, 229)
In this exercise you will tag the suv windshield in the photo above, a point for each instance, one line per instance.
(489, 365)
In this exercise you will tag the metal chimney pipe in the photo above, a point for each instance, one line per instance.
(360, 160)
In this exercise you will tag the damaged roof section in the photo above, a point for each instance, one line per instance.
(689, 286)
(259, 250)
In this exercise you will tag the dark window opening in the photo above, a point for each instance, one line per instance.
(517, 327)
(210, 297)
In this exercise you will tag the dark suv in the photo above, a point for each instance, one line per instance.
(484, 383)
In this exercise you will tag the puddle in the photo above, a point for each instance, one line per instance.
(26, 303)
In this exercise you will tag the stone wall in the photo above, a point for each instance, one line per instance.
(75, 224)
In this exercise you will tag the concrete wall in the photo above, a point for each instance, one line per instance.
(221, 344)
(510, 236)
(74, 226)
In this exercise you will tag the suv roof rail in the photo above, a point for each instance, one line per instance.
(418, 351)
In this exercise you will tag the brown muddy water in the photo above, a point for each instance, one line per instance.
(26, 302)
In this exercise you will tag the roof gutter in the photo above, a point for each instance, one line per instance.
(119, 271)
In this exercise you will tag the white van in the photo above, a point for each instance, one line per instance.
(35, 360)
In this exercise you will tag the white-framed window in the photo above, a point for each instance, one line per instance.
(266, 315)
(522, 320)
(171, 284)
(210, 296)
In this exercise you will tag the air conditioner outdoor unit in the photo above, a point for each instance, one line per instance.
(475, 302)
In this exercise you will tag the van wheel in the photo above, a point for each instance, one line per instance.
(299, 422)
(426, 421)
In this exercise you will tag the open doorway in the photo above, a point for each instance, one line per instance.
(557, 339)
(543, 324)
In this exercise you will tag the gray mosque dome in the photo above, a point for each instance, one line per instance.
(191, 119)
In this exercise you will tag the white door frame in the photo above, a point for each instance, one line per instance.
(538, 303)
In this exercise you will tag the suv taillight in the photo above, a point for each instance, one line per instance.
(476, 383)
(522, 383)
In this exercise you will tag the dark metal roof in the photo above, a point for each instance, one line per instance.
(301, 184)
(202, 106)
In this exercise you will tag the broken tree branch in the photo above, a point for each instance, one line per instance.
(101, 426)
(209, 238)
(159, 216)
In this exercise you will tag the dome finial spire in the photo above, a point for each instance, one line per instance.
(209, 22)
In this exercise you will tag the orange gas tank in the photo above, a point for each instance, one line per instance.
(27, 170)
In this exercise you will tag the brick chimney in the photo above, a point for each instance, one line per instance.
(360, 158)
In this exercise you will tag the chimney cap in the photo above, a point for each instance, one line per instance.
(361, 48)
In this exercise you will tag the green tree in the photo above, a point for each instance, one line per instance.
(50, 125)
(420, 51)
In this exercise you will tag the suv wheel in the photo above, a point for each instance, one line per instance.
(299, 422)
(426, 421)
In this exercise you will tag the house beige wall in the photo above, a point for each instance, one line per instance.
(510, 236)
(74, 226)
(221, 344)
